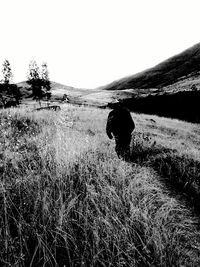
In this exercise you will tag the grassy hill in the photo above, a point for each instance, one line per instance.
(177, 68)
(78, 96)
(165, 89)
(178, 73)
(58, 89)
(67, 200)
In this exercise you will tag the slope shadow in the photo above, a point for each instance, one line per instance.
(180, 105)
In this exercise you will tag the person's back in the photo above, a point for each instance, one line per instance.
(120, 125)
(120, 121)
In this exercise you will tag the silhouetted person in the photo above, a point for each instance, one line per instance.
(120, 125)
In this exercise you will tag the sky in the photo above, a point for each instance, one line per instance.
(90, 43)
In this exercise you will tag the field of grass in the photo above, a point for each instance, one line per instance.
(67, 200)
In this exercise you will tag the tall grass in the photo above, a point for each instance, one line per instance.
(67, 200)
(179, 170)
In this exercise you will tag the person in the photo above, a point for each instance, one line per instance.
(120, 125)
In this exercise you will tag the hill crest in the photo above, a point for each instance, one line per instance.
(164, 74)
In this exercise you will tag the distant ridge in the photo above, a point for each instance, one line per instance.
(54, 85)
(163, 74)
(58, 90)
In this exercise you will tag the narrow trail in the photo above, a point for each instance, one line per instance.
(171, 148)
(180, 175)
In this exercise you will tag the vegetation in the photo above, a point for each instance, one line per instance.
(10, 94)
(39, 81)
(67, 200)
(7, 72)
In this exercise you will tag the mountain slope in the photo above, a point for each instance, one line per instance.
(163, 74)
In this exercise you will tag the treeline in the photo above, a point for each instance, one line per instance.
(37, 78)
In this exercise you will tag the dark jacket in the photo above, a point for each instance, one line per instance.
(119, 123)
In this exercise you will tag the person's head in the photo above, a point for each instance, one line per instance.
(115, 103)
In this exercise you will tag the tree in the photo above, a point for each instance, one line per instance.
(34, 81)
(10, 94)
(39, 81)
(7, 72)
(2, 95)
(46, 84)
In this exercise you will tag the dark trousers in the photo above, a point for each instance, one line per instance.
(122, 147)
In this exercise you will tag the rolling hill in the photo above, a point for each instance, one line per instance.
(170, 89)
(94, 97)
(177, 73)
(177, 69)
(167, 89)
(57, 89)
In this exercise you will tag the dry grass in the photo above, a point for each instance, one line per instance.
(67, 200)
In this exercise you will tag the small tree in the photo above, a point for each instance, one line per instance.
(16, 93)
(34, 81)
(46, 84)
(7, 72)
(39, 81)
(10, 94)
(2, 95)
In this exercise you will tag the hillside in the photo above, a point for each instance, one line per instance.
(166, 89)
(67, 200)
(79, 96)
(177, 68)
(58, 89)
(175, 74)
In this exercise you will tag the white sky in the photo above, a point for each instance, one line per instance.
(89, 43)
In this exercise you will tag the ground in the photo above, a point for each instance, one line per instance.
(66, 199)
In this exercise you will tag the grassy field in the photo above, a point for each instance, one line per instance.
(67, 200)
